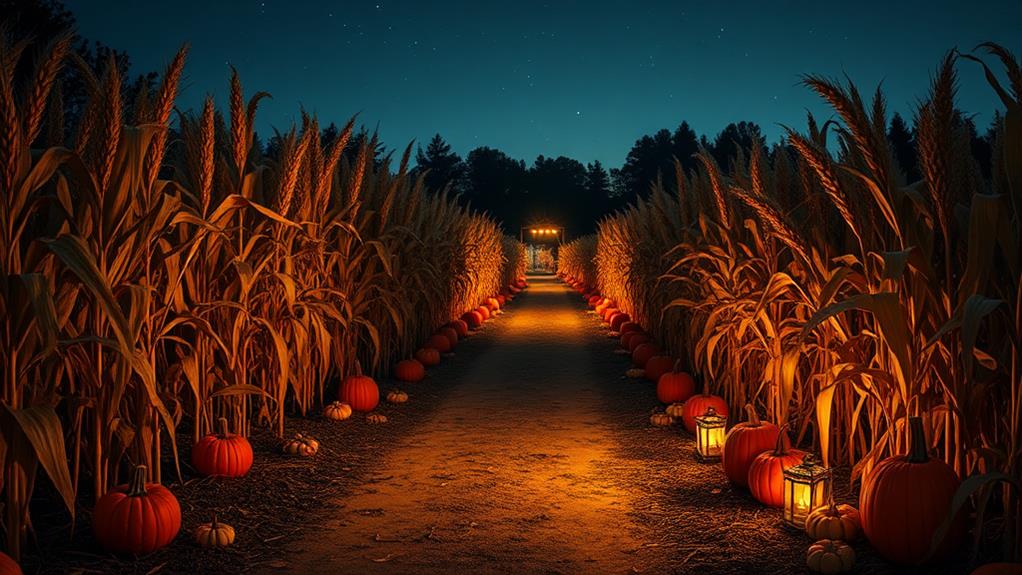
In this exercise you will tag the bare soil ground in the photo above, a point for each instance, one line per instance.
(527, 452)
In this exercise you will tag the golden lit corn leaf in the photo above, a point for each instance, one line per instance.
(41, 427)
(968, 318)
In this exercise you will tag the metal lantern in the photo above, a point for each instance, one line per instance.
(710, 435)
(806, 487)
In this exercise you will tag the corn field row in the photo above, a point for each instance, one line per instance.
(157, 279)
(813, 281)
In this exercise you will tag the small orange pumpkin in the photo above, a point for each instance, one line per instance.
(744, 442)
(675, 386)
(766, 473)
(428, 356)
(658, 365)
(136, 518)
(223, 454)
(439, 342)
(834, 522)
(409, 370)
(642, 353)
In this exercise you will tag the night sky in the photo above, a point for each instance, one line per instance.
(581, 79)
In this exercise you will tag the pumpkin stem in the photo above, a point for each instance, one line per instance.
(917, 452)
(782, 434)
(753, 416)
(223, 426)
(677, 366)
(137, 486)
(214, 524)
(832, 510)
(706, 386)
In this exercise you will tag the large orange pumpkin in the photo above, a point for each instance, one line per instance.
(637, 340)
(630, 327)
(222, 454)
(766, 474)
(409, 370)
(642, 353)
(136, 518)
(360, 392)
(998, 569)
(675, 386)
(619, 320)
(905, 498)
(658, 365)
(451, 334)
(428, 356)
(484, 312)
(8, 566)
(698, 404)
(744, 442)
(472, 319)
(460, 327)
(439, 342)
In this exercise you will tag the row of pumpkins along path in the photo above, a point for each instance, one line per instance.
(140, 517)
(903, 504)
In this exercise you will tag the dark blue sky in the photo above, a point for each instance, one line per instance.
(582, 78)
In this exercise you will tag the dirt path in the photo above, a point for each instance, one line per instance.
(509, 474)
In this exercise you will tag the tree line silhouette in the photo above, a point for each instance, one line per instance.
(559, 190)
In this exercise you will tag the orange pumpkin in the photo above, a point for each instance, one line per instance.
(222, 454)
(136, 518)
(630, 327)
(502, 300)
(439, 342)
(492, 303)
(450, 334)
(428, 356)
(609, 313)
(472, 319)
(675, 386)
(998, 569)
(905, 498)
(593, 300)
(360, 392)
(642, 353)
(698, 404)
(744, 442)
(619, 320)
(637, 340)
(766, 473)
(409, 370)
(658, 365)
(8, 566)
(483, 312)
(460, 327)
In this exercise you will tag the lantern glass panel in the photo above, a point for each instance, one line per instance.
(806, 487)
(710, 434)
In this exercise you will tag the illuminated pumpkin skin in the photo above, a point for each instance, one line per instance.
(593, 300)
(473, 319)
(428, 356)
(619, 320)
(8, 566)
(439, 342)
(451, 334)
(609, 313)
(697, 405)
(492, 303)
(502, 300)
(675, 387)
(360, 392)
(137, 518)
(637, 340)
(744, 442)
(766, 473)
(998, 569)
(642, 353)
(484, 312)
(905, 499)
(630, 327)
(409, 370)
(834, 522)
(658, 365)
(459, 326)
(222, 454)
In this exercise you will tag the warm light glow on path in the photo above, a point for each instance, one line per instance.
(509, 475)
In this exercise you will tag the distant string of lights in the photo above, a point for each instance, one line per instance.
(544, 231)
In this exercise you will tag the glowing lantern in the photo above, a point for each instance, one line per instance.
(806, 487)
(710, 435)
